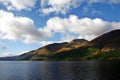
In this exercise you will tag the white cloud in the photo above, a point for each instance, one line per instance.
(114, 1)
(67, 37)
(52, 6)
(116, 25)
(103, 1)
(87, 37)
(95, 1)
(58, 6)
(43, 43)
(85, 27)
(18, 4)
(64, 6)
(20, 28)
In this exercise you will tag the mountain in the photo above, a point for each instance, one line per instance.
(107, 45)
(11, 58)
(42, 52)
(51, 49)
(107, 41)
(103, 47)
(73, 45)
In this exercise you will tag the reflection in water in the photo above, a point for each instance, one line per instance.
(45, 70)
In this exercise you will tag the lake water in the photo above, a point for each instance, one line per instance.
(63, 70)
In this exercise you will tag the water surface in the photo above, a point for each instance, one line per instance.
(63, 70)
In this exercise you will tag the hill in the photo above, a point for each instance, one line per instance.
(103, 47)
(107, 41)
(76, 43)
(51, 49)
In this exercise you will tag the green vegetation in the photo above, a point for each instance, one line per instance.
(108, 55)
(82, 53)
(87, 53)
(78, 54)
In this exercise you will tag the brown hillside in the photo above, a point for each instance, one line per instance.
(107, 41)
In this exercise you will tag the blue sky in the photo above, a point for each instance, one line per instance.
(25, 26)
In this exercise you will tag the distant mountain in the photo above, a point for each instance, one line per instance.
(51, 49)
(12, 58)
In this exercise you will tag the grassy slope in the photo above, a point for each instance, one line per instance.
(82, 53)
(77, 54)
(87, 53)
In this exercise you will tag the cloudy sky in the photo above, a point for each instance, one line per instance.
(29, 24)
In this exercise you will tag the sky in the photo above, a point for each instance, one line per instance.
(27, 25)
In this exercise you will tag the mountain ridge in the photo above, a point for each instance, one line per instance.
(51, 49)
(103, 47)
(109, 40)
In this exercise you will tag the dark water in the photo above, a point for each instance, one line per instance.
(43, 70)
